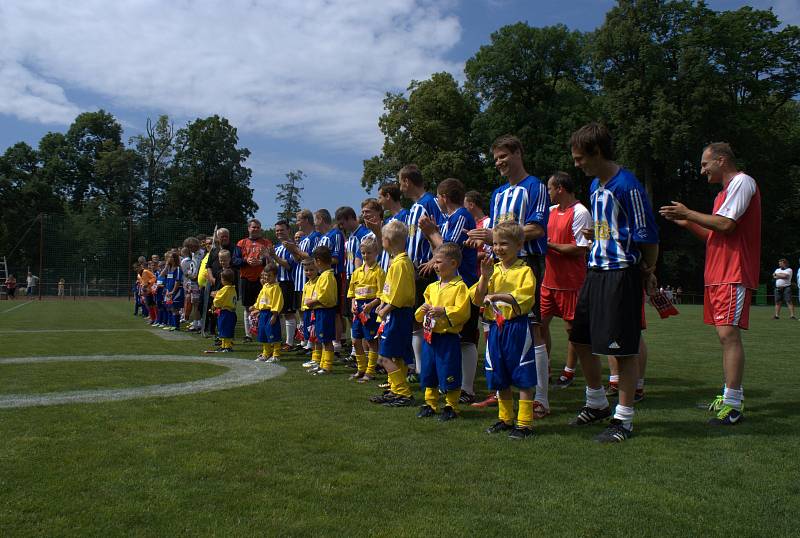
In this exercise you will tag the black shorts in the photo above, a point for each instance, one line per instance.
(536, 263)
(420, 283)
(469, 334)
(250, 291)
(608, 315)
(287, 290)
(341, 290)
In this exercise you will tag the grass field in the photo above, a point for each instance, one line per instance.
(304, 456)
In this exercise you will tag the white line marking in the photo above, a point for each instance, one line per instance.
(15, 307)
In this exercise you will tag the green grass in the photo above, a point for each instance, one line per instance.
(301, 456)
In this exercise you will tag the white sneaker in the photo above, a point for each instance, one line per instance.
(273, 360)
(260, 358)
(310, 364)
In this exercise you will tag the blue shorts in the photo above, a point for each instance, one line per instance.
(361, 330)
(325, 324)
(306, 324)
(178, 298)
(160, 296)
(268, 333)
(441, 362)
(226, 323)
(510, 355)
(396, 336)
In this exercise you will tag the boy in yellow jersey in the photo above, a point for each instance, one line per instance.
(397, 312)
(443, 314)
(311, 273)
(323, 302)
(269, 304)
(507, 289)
(365, 284)
(225, 301)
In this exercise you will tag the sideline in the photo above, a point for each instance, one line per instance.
(15, 307)
(164, 335)
(240, 373)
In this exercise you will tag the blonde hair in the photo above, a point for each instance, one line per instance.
(224, 252)
(369, 242)
(510, 230)
(396, 233)
(451, 251)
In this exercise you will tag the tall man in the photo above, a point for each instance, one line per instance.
(333, 238)
(302, 250)
(524, 200)
(608, 316)
(254, 249)
(286, 267)
(733, 253)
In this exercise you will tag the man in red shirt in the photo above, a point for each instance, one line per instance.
(733, 249)
(565, 263)
(255, 249)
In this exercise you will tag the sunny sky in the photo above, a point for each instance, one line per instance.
(303, 81)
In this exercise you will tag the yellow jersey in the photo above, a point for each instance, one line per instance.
(308, 292)
(366, 282)
(517, 281)
(398, 288)
(454, 297)
(270, 298)
(325, 290)
(225, 298)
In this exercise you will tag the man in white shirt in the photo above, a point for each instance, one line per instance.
(783, 288)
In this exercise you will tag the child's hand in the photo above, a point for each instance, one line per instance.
(367, 309)
(354, 307)
(437, 311)
(273, 320)
(426, 308)
(309, 302)
(490, 297)
(487, 267)
(213, 293)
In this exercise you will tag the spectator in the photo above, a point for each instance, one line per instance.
(11, 286)
(783, 288)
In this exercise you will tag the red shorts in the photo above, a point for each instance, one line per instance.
(558, 303)
(727, 304)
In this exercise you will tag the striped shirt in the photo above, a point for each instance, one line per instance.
(384, 258)
(418, 247)
(526, 202)
(285, 275)
(622, 217)
(307, 245)
(353, 249)
(334, 240)
(454, 230)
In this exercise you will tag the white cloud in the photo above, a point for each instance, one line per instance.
(310, 68)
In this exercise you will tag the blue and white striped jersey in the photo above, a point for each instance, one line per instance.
(418, 247)
(384, 258)
(622, 217)
(307, 245)
(454, 230)
(526, 202)
(334, 240)
(353, 249)
(285, 275)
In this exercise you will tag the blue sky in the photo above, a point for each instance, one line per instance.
(302, 81)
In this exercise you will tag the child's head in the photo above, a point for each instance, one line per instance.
(322, 256)
(192, 244)
(227, 277)
(446, 259)
(270, 273)
(225, 258)
(394, 235)
(369, 249)
(185, 252)
(172, 259)
(309, 268)
(507, 239)
(450, 192)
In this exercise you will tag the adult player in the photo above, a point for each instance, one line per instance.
(565, 263)
(733, 253)
(608, 316)
(524, 200)
(254, 249)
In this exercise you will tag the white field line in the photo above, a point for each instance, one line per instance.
(15, 307)
(165, 335)
(240, 373)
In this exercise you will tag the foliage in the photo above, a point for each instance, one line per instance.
(288, 196)
(154, 157)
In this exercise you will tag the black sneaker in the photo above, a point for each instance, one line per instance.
(520, 433)
(248, 339)
(638, 396)
(448, 413)
(387, 396)
(400, 401)
(466, 398)
(426, 411)
(499, 427)
(588, 415)
(615, 433)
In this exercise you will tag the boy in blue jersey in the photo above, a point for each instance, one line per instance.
(523, 199)
(608, 316)
(418, 248)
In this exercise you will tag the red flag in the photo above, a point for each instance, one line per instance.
(663, 305)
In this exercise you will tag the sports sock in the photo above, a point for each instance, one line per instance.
(403, 367)
(505, 410)
(452, 398)
(568, 372)
(625, 414)
(596, 398)
(337, 346)
(276, 350)
(733, 397)
(291, 328)
(316, 355)
(525, 414)
(640, 384)
(227, 343)
(613, 380)
(542, 375)
(432, 398)
(246, 322)
(265, 350)
(153, 313)
(327, 359)
(400, 384)
(469, 365)
(416, 343)
(371, 362)
(361, 362)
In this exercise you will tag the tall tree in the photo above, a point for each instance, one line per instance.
(288, 196)
(154, 151)
(209, 181)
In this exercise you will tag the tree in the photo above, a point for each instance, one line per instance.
(289, 195)
(208, 179)
(154, 152)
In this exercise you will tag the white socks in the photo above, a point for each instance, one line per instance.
(624, 414)
(733, 397)
(246, 322)
(613, 379)
(416, 343)
(542, 374)
(469, 364)
(596, 398)
(291, 327)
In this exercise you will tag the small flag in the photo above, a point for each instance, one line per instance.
(663, 305)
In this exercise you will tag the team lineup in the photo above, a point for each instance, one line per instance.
(420, 286)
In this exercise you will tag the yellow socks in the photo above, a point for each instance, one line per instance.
(276, 350)
(452, 398)
(372, 361)
(361, 362)
(400, 363)
(265, 350)
(316, 356)
(432, 398)
(398, 379)
(525, 415)
(227, 343)
(506, 410)
(327, 360)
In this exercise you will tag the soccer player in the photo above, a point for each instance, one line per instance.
(286, 271)
(269, 304)
(565, 263)
(323, 303)
(523, 199)
(396, 310)
(733, 254)
(347, 221)
(225, 300)
(311, 273)
(302, 250)
(366, 284)
(389, 201)
(608, 316)
(333, 238)
(443, 314)
(508, 289)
